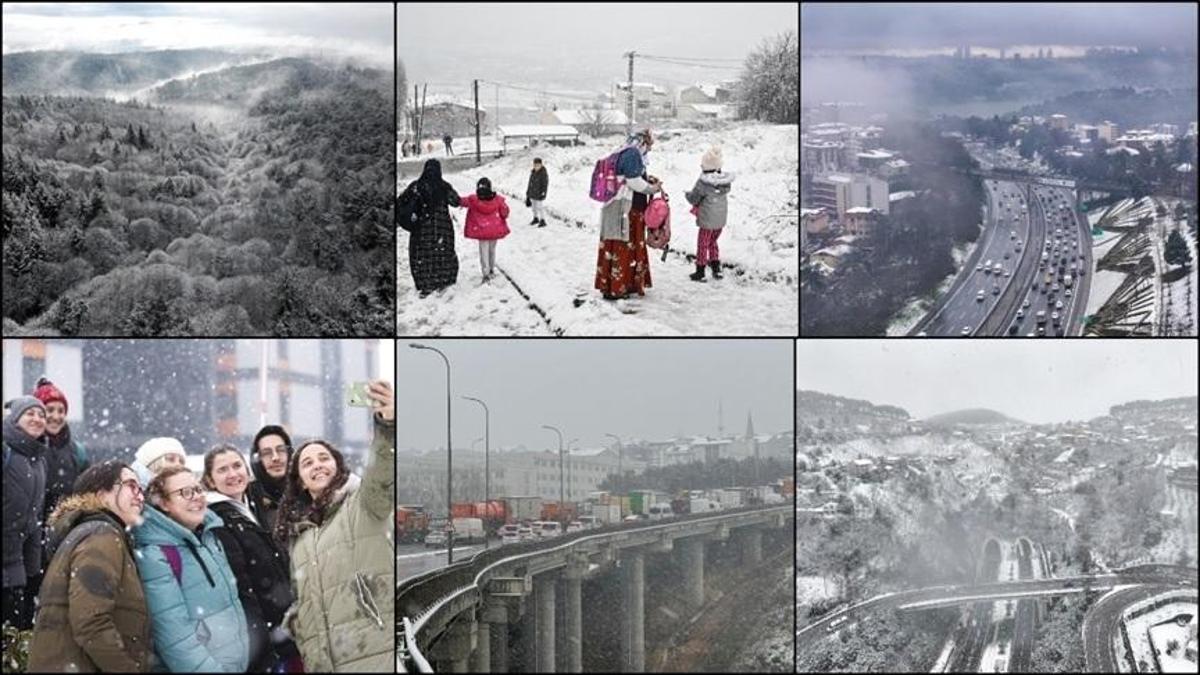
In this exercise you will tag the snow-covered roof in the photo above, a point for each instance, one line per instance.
(708, 108)
(526, 130)
(898, 163)
(897, 196)
(875, 154)
(709, 90)
(838, 178)
(582, 117)
(863, 462)
(811, 212)
(1122, 148)
(860, 209)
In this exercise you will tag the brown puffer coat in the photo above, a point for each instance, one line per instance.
(92, 612)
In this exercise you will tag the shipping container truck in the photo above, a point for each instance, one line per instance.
(703, 505)
(609, 514)
(559, 512)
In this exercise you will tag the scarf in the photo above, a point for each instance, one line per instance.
(21, 442)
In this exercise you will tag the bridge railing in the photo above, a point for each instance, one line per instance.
(421, 598)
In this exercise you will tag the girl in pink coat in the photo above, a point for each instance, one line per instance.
(487, 221)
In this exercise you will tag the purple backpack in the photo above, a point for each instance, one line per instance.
(605, 181)
(172, 555)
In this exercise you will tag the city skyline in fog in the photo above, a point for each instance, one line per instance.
(636, 389)
(1030, 380)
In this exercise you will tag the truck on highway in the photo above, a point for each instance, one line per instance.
(468, 531)
(412, 523)
(1041, 317)
(523, 509)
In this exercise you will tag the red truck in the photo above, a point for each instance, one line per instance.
(563, 512)
(412, 524)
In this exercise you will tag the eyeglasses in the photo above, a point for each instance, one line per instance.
(281, 450)
(133, 485)
(187, 492)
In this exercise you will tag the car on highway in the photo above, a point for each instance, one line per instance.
(1012, 329)
(1058, 305)
(509, 534)
(1041, 331)
(836, 624)
(1068, 293)
(1054, 287)
(965, 332)
(1006, 273)
(979, 296)
(1012, 234)
(979, 268)
(1006, 254)
(1026, 303)
(1020, 314)
(525, 533)
(987, 265)
(1058, 331)
(995, 289)
(1041, 316)
(1054, 317)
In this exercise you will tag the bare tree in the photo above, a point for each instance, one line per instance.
(595, 120)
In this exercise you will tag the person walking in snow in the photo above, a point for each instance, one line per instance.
(197, 618)
(710, 200)
(24, 494)
(258, 561)
(449, 143)
(487, 221)
(340, 534)
(92, 614)
(423, 211)
(535, 192)
(622, 264)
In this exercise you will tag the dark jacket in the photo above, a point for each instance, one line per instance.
(265, 493)
(24, 495)
(423, 210)
(66, 458)
(91, 610)
(539, 183)
(260, 566)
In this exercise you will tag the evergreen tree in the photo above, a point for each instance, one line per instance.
(130, 137)
(1176, 250)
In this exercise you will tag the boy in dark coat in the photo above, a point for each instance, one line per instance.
(535, 193)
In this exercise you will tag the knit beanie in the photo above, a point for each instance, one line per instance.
(46, 392)
(156, 448)
(19, 405)
(712, 159)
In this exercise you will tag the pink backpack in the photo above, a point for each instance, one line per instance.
(658, 223)
(605, 181)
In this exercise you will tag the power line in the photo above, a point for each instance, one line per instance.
(576, 97)
(689, 58)
(690, 65)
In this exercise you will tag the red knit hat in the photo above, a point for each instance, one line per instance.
(45, 391)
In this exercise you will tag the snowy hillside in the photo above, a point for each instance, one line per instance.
(547, 273)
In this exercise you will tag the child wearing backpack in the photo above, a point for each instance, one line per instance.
(709, 197)
(487, 221)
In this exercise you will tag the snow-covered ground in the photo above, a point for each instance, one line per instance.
(916, 309)
(554, 267)
(1141, 629)
(1104, 283)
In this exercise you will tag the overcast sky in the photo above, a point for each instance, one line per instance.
(579, 44)
(359, 30)
(1032, 380)
(650, 389)
(896, 25)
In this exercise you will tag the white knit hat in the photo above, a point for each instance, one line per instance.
(712, 159)
(156, 448)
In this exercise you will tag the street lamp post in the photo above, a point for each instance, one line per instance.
(487, 472)
(620, 455)
(560, 466)
(570, 444)
(449, 454)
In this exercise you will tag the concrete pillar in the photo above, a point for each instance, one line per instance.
(496, 616)
(752, 547)
(481, 658)
(633, 639)
(573, 583)
(693, 571)
(455, 647)
(543, 588)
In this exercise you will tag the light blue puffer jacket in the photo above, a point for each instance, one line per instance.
(198, 624)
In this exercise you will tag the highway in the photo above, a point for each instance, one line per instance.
(1024, 622)
(1006, 223)
(1162, 575)
(1102, 622)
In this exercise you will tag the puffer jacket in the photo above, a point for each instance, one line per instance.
(711, 194)
(539, 184)
(198, 622)
(344, 574)
(91, 609)
(486, 218)
(24, 495)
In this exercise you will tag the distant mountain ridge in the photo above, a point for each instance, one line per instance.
(972, 416)
(812, 406)
(71, 73)
(1182, 405)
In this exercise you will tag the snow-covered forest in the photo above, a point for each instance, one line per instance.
(243, 199)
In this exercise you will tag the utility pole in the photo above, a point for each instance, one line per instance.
(477, 156)
(487, 472)
(629, 96)
(496, 112)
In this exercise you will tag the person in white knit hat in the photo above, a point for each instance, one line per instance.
(157, 454)
(710, 205)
